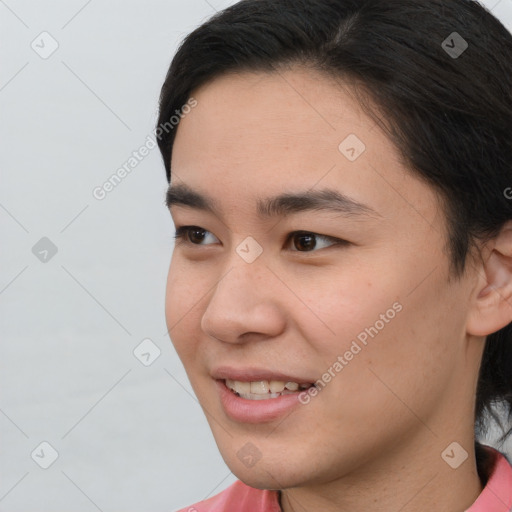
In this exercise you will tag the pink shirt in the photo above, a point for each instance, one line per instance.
(496, 496)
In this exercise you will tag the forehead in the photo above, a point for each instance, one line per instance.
(257, 134)
(298, 111)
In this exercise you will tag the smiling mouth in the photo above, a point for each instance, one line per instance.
(264, 389)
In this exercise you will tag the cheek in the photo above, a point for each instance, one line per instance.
(405, 366)
(391, 341)
(182, 307)
(342, 306)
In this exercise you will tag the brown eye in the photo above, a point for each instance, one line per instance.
(305, 241)
(196, 236)
(192, 235)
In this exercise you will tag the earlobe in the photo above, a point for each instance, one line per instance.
(491, 308)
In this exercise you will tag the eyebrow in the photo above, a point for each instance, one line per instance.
(284, 204)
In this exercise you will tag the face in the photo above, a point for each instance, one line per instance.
(345, 287)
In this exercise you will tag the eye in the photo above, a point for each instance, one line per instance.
(303, 241)
(306, 241)
(192, 234)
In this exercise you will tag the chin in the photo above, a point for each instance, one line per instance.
(267, 473)
(267, 477)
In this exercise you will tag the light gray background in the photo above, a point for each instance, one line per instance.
(128, 437)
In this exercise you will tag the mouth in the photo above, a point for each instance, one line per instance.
(254, 395)
(265, 389)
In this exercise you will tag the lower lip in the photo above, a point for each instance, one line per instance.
(255, 411)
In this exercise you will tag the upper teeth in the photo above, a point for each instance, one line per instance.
(262, 387)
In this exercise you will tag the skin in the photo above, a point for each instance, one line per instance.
(383, 422)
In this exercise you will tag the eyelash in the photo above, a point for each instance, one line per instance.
(182, 232)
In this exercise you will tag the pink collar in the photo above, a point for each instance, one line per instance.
(497, 494)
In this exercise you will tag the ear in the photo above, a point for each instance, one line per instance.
(491, 307)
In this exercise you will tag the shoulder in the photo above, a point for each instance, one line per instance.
(240, 497)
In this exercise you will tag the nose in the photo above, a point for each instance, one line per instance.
(244, 305)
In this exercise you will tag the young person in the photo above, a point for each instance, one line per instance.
(340, 291)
